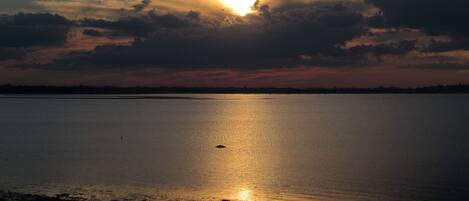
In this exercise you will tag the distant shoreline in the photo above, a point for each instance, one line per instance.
(78, 90)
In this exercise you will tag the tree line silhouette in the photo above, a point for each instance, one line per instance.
(17, 89)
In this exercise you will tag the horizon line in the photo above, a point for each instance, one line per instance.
(83, 89)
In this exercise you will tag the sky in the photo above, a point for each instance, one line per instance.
(240, 43)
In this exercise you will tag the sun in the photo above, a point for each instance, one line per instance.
(240, 7)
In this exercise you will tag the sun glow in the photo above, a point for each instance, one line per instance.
(240, 7)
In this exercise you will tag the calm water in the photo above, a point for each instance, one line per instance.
(279, 147)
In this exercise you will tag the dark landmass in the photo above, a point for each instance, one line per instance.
(107, 97)
(38, 90)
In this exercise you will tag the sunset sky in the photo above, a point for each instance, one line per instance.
(264, 43)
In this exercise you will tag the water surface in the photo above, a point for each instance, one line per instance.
(279, 147)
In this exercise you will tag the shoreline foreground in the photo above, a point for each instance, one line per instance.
(67, 192)
(14, 196)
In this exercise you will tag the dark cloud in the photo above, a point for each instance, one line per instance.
(143, 25)
(455, 44)
(339, 7)
(24, 30)
(92, 32)
(11, 53)
(438, 66)
(398, 48)
(294, 32)
(13, 6)
(433, 16)
(144, 4)
(193, 15)
(264, 11)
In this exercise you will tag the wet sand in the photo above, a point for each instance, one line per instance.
(12, 196)
(60, 192)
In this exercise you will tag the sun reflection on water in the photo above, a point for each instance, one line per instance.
(244, 195)
(239, 123)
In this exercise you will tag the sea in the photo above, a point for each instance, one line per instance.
(239, 147)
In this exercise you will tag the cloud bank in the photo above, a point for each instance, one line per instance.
(178, 36)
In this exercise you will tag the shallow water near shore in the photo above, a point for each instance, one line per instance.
(278, 147)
